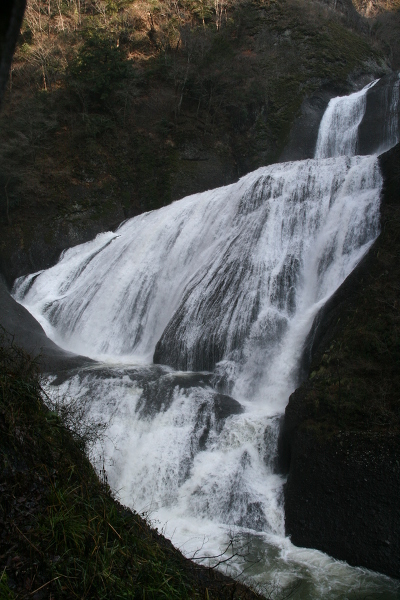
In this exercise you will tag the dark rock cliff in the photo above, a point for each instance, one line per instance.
(340, 442)
(379, 98)
(304, 133)
(342, 497)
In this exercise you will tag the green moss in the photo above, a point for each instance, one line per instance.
(5, 592)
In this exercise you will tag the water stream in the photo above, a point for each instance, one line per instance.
(197, 315)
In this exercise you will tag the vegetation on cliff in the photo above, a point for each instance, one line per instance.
(117, 107)
(371, 8)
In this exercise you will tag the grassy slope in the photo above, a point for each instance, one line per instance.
(61, 532)
(127, 106)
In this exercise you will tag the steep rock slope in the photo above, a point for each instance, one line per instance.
(28, 334)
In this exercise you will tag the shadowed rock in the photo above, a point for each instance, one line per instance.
(29, 334)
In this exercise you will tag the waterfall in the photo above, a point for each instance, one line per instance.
(202, 278)
(197, 314)
(338, 131)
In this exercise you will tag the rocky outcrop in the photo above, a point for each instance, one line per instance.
(371, 134)
(340, 440)
(342, 497)
(28, 334)
(348, 10)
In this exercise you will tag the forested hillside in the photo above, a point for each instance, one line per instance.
(117, 107)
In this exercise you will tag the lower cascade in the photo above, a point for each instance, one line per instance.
(197, 315)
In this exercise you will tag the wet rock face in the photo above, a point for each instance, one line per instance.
(338, 500)
(371, 134)
(304, 133)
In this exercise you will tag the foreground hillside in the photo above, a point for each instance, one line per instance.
(61, 533)
(117, 107)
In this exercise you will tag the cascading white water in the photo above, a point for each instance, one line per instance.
(209, 273)
(338, 131)
(225, 283)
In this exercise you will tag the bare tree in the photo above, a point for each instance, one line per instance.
(40, 57)
(101, 8)
(59, 3)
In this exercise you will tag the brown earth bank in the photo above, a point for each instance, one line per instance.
(115, 108)
(340, 442)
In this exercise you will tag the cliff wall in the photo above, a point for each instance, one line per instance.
(340, 440)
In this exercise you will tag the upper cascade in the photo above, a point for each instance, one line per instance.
(338, 130)
(345, 128)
